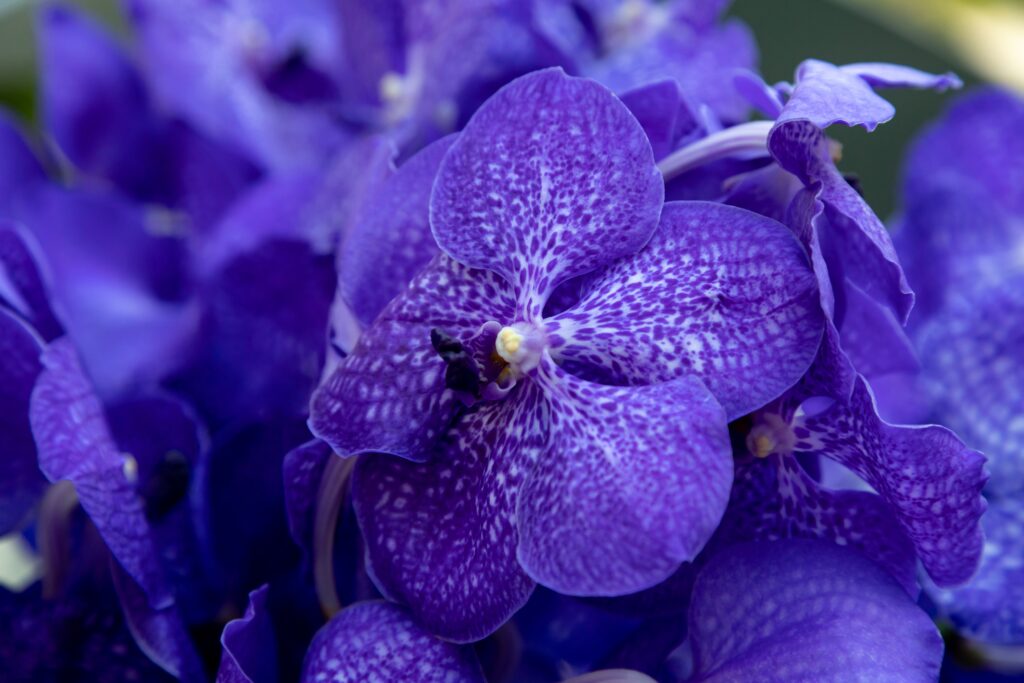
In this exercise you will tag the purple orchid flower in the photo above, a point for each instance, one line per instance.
(552, 180)
(960, 236)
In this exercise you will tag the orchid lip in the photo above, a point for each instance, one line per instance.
(747, 140)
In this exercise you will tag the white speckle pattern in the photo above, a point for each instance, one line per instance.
(774, 498)
(448, 549)
(628, 487)
(972, 356)
(719, 293)
(377, 642)
(929, 478)
(550, 179)
(389, 395)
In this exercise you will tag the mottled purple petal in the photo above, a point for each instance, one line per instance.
(390, 239)
(719, 293)
(24, 287)
(990, 607)
(552, 178)
(21, 483)
(929, 478)
(250, 648)
(378, 642)
(803, 611)
(632, 484)
(882, 75)
(79, 635)
(74, 443)
(775, 498)
(974, 375)
(389, 395)
(441, 537)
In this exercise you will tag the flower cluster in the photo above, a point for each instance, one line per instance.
(448, 340)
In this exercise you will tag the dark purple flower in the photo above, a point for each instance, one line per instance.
(551, 180)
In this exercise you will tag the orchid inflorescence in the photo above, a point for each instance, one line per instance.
(459, 341)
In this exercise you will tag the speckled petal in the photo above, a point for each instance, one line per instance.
(930, 479)
(389, 395)
(633, 483)
(775, 498)
(990, 607)
(441, 536)
(250, 649)
(551, 178)
(74, 443)
(21, 484)
(390, 239)
(973, 370)
(719, 293)
(806, 611)
(377, 642)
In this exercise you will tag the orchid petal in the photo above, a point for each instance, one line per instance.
(803, 611)
(930, 479)
(632, 484)
(250, 649)
(719, 293)
(390, 240)
(551, 179)
(74, 443)
(377, 641)
(454, 517)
